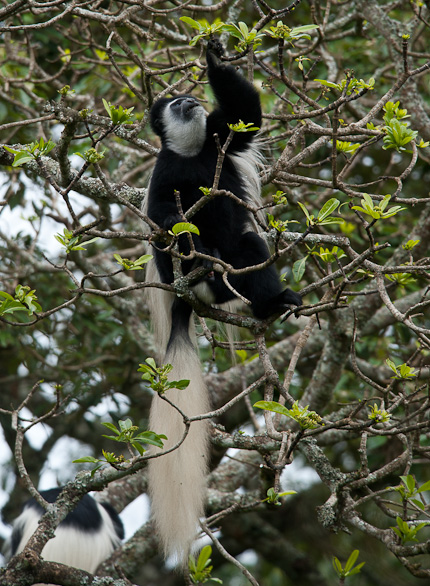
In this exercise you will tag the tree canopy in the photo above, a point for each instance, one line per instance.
(332, 399)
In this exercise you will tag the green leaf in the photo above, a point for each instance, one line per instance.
(327, 83)
(308, 216)
(424, 487)
(304, 29)
(110, 426)
(143, 259)
(86, 459)
(328, 208)
(191, 22)
(107, 107)
(409, 481)
(391, 364)
(125, 424)
(11, 307)
(138, 447)
(182, 227)
(151, 362)
(331, 221)
(337, 565)
(102, 54)
(6, 295)
(204, 557)
(368, 200)
(356, 570)
(418, 504)
(196, 39)
(272, 406)
(351, 560)
(150, 437)
(244, 29)
(90, 241)
(385, 202)
(21, 158)
(299, 269)
(10, 149)
(178, 384)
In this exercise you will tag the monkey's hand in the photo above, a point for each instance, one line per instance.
(170, 221)
(214, 52)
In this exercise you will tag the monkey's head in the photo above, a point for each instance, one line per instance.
(180, 122)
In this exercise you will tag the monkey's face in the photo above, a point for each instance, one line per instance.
(184, 122)
(185, 108)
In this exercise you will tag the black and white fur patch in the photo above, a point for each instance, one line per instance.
(87, 536)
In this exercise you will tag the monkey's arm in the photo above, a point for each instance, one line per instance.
(237, 99)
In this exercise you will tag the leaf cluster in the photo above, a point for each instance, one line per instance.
(349, 85)
(347, 147)
(282, 31)
(242, 127)
(204, 28)
(133, 265)
(378, 415)
(401, 372)
(118, 114)
(377, 211)
(273, 496)
(397, 133)
(407, 531)
(24, 300)
(247, 37)
(157, 377)
(350, 568)
(323, 217)
(129, 434)
(30, 152)
(305, 418)
(201, 569)
(409, 490)
(73, 243)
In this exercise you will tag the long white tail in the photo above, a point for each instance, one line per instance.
(177, 480)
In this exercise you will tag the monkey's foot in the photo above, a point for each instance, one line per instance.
(278, 304)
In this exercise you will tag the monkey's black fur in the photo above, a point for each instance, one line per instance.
(225, 227)
(187, 161)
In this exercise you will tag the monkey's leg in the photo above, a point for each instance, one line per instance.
(263, 288)
(164, 260)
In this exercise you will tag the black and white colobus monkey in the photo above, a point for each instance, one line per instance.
(86, 537)
(187, 161)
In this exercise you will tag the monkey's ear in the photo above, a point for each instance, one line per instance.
(156, 125)
(155, 116)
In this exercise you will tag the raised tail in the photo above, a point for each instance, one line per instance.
(177, 480)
